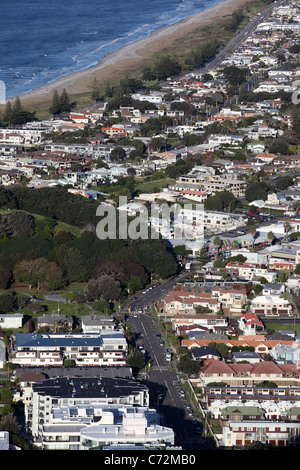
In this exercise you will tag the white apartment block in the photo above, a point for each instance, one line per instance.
(270, 306)
(134, 429)
(105, 349)
(60, 407)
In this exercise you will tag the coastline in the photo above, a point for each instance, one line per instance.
(117, 63)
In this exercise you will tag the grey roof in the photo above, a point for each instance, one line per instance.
(205, 351)
(53, 318)
(39, 340)
(246, 355)
(87, 387)
(77, 371)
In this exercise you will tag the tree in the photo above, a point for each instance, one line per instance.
(55, 104)
(279, 147)
(96, 93)
(297, 269)
(287, 228)
(8, 114)
(217, 243)
(64, 101)
(271, 237)
(8, 302)
(104, 287)
(189, 366)
(220, 347)
(235, 75)
(39, 273)
(252, 231)
(10, 424)
(256, 191)
(135, 359)
(283, 275)
(203, 255)
(117, 154)
(5, 278)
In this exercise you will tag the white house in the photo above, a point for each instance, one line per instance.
(11, 320)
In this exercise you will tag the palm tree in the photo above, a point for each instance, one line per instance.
(235, 245)
(287, 228)
(252, 231)
(271, 237)
(217, 243)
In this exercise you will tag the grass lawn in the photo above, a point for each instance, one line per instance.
(60, 225)
(148, 186)
(282, 326)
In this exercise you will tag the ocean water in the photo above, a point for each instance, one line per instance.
(42, 40)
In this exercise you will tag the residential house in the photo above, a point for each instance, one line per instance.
(11, 320)
(246, 356)
(96, 323)
(231, 300)
(184, 303)
(250, 324)
(205, 354)
(277, 434)
(271, 306)
(286, 354)
(245, 374)
(54, 322)
(209, 321)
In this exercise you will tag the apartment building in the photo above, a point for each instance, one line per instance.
(237, 375)
(134, 428)
(210, 322)
(270, 306)
(105, 349)
(60, 401)
(261, 394)
(212, 184)
(185, 303)
(231, 299)
(196, 220)
(249, 271)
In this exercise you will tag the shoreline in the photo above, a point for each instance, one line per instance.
(131, 55)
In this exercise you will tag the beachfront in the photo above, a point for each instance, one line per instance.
(130, 57)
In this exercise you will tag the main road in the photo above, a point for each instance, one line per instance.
(166, 392)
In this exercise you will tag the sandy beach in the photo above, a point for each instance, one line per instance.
(129, 57)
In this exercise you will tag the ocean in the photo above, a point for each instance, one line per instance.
(43, 40)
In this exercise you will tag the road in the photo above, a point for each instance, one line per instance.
(164, 385)
(239, 38)
(151, 294)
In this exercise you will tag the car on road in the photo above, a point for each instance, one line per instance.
(194, 421)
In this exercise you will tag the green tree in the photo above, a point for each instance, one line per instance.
(203, 255)
(55, 104)
(64, 101)
(136, 359)
(189, 366)
(10, 424)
